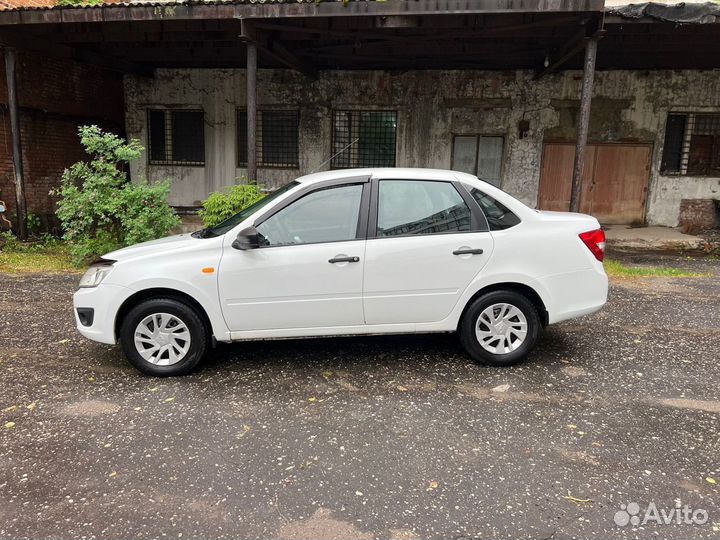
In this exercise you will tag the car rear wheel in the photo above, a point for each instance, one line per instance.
(500, 328)
(163, 337)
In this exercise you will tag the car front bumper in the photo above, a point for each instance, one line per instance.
(104, 301)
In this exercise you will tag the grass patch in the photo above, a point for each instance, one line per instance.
(618, 269)
(44, 255)
(34, 262)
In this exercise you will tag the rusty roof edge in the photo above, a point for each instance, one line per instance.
(223, 9)
(680, 13)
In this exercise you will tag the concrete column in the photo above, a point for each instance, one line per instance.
(251, 75)
(583, 123)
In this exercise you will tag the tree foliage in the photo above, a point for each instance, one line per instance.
(100, 209)
(222, 205)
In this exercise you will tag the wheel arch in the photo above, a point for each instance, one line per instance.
(161, 292)
(521, 288)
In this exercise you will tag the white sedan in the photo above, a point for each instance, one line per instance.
(349, 252)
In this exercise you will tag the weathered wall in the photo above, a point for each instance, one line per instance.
(55, 97)
(432, 106)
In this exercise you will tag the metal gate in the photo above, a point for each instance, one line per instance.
(615, 180)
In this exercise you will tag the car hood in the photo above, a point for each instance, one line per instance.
(162, 245)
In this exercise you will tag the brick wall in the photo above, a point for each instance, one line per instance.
(56, 97)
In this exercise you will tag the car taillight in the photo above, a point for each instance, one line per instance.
(595, 241)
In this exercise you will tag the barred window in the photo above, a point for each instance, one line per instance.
(364, 139)
(176, 137)
(692, 144)
(276, 138)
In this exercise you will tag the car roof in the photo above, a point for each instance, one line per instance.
(410, 173)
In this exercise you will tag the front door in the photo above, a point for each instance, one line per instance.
(426, 250)
(308, 271)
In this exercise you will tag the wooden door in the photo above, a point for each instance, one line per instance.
(556, 177)
(615, 180)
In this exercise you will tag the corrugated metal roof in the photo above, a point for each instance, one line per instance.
(34, 5)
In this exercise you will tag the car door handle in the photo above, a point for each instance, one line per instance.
(344, 259)
(468, 252)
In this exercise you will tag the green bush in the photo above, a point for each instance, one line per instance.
(100, 209)
(9, 242)
(222, 205)
(33, 222)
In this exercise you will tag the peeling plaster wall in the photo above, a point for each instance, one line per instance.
(432, 106)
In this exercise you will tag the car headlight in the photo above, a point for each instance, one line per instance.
(96, 273)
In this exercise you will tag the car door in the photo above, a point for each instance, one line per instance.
(427, 240)
(308, 271)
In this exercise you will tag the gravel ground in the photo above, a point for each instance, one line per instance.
(387, 437)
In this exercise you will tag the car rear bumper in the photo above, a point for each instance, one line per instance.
(574, 294)
(104, 301)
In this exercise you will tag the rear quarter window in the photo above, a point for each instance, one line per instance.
(499, 216)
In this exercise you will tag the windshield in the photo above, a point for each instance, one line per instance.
(229, 223)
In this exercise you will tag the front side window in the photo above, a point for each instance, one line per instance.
(277, 139)
(415, 207)
(364, 139)
(498, 215)
(241, 216)
(326, 215)
(176, 137)
(692, 144)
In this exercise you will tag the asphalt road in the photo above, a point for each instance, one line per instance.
(387, 437)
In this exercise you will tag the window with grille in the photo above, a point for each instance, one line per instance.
(692, 144)
(481, 155)
(176, 137)
(364, 139)
(276, 139)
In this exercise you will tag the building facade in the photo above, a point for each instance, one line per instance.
(370, 84)
(504, 126)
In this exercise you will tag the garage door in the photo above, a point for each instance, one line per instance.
(615, 180)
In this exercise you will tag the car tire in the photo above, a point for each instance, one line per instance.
(496, 321)
(164, 337)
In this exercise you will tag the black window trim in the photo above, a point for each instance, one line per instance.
(361, 231)
(258, 150)
(171, 162)
(478, 222)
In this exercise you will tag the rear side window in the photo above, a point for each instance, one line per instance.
(498, 215)
(413, 207)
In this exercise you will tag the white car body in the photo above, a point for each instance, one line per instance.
(403, 284)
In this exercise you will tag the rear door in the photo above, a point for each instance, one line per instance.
(427, 240)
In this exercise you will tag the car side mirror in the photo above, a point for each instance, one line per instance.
(246, 239)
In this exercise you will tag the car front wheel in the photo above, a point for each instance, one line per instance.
(500, 328)
(163, 337)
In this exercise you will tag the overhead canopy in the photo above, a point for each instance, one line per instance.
(394, 34)
(307, 36)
